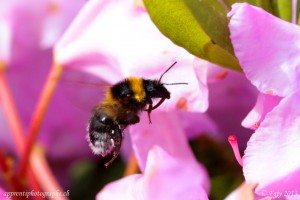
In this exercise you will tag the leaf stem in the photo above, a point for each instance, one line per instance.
(38, 115)
(42, 170)
(37, 161)
(7, 172)
(11, 112)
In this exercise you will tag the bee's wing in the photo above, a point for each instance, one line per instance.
(82, 90)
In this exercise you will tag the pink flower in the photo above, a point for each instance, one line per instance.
(19, 41)
(268, 51)
(267, 48)
(29, 64)
(230, 94)
(271, 155)
(165, 177)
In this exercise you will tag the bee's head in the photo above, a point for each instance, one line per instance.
(155, 89)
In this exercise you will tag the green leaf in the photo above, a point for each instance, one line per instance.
(230, 2)
(199, 26)
(267, 5)
(284, 8)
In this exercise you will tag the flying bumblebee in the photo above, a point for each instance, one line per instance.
(121, 107)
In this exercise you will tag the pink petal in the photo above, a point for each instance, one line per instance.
(28, 26)
(201, 67)
(165, 132)
(267, 47)
(231, 96)
(244, 191)
(5, 42)
(195, 124)
(272, 155)
(264, 104)
(59, 15)
(130, 187)
(162, 171)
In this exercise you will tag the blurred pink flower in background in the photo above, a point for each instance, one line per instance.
(30, 29)
(32, 26)
(27, 55)
(231, 96)
(273, 67)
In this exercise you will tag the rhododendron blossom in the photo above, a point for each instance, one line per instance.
(273, 67)
(166, 161)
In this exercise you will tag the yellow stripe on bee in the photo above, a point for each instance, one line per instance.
(137, 87)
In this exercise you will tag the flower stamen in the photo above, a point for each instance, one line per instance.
(232, 139)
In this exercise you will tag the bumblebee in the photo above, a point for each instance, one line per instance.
(121, 107)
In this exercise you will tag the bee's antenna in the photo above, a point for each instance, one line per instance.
(166, 71)
(174, 83)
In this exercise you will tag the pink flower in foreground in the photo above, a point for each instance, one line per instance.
(165, 177)
(271, 158)
(169, 169)
(268, 51)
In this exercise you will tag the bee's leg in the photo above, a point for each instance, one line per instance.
(116, 136)
(158, 104)
(151, 107)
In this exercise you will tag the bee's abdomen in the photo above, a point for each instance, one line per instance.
(104, 134)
